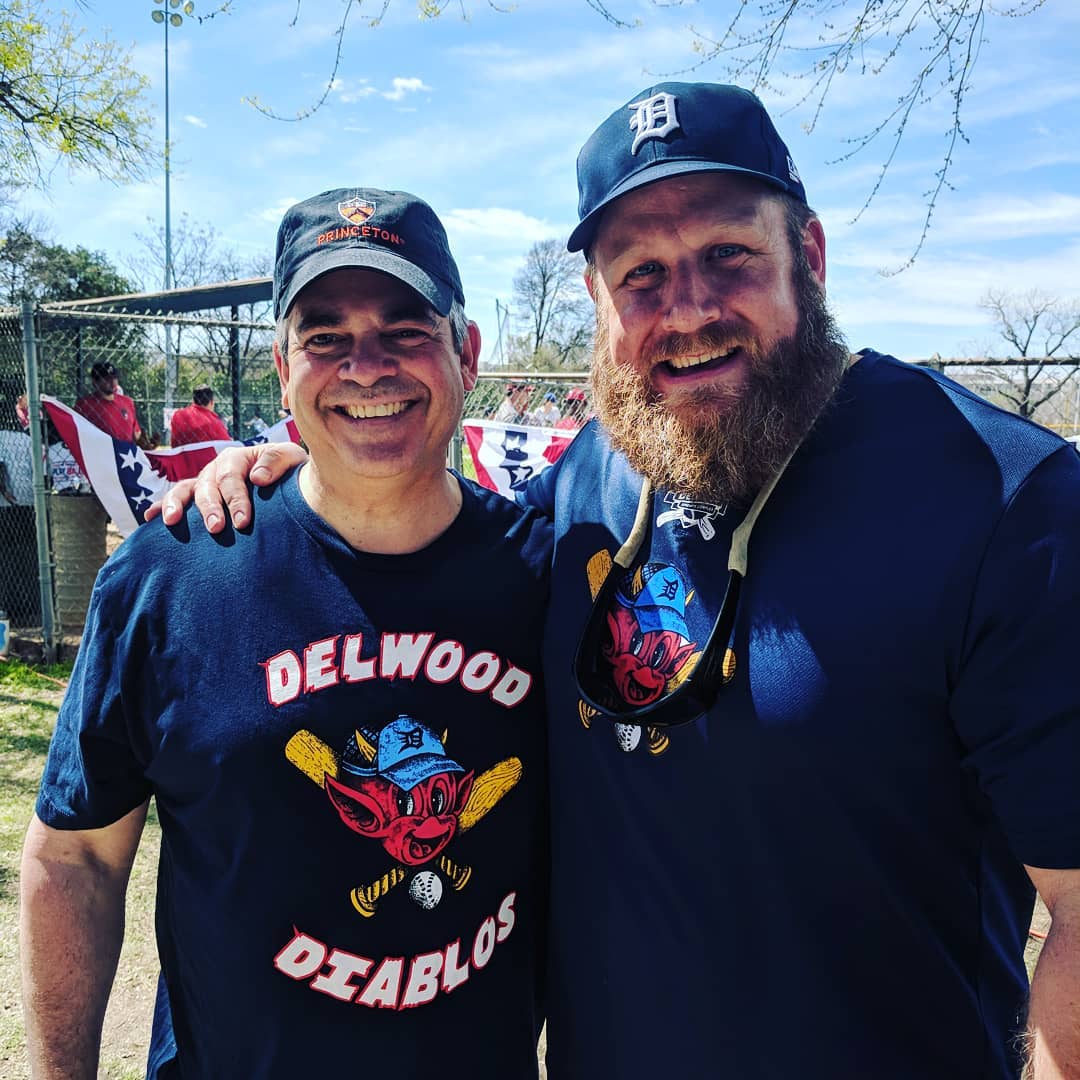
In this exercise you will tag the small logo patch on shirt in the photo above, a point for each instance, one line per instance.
(691, 512)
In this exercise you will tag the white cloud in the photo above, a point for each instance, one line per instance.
(276, 211)
(403, 86)
(935, 303)
(195, 121)
(637, 55)
(351, 92)
(348, 94)
(496, 224)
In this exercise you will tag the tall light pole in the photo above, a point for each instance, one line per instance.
(173, 18)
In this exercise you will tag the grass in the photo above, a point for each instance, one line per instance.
(29, 699)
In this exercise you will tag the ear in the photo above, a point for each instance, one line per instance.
(470, 356)
(590, 283)
(357, 809)
(814, 249)
(283, 375)
(464, 790)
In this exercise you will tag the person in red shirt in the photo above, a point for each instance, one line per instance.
(109, 409)
(577, 411)
(197, 422)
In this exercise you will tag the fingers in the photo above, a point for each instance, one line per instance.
(171, 505)
(275, 460)
(225, 480)
(223, 484)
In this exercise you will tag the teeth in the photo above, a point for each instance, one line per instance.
(681, 362)
(369, 412)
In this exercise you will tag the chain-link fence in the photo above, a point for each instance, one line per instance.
(112, 369)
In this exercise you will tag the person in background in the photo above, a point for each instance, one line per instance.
(514, 408)
(112, 411)
(547, 415)
(197, 422)
(18, 538)
(576, 412)
(257, 424)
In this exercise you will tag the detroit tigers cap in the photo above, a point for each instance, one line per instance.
(672, 129)
(369, 229)
(409, 752)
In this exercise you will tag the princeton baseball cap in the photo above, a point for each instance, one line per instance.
(672, 129)
(368, 229)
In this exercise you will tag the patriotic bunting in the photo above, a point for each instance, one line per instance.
(507, 456)
(127, 479)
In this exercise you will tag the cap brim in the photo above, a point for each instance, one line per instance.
(438, 294)
(582, 236)
(407, 774)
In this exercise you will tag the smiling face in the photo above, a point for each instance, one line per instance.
(373, 380)
(714, 350)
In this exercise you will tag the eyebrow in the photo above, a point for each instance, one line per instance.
(317, 317)
(728, 215)
(332, 316)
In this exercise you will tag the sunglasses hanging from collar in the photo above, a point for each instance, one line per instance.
(697, 693)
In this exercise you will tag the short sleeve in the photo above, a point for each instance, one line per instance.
(539, 492)
(92, 774)
(1016, 702)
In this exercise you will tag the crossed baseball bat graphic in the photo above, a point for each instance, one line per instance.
(317, 760)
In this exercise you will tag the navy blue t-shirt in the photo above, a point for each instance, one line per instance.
(823, 877)
(348, 758)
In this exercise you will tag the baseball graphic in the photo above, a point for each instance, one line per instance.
(426, 889)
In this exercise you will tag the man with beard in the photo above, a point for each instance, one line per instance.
(800, 802)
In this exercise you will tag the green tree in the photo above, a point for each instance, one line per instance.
(33, 269)
(66, 99)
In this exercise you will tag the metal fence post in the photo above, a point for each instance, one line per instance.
(234, 371)
(37, 466)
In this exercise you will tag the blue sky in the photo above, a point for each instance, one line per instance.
(484, 119)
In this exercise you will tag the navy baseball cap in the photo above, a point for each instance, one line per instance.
(672, 129)
(368, 229)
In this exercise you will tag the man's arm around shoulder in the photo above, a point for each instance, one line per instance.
(1054, 1011)
(72, 887)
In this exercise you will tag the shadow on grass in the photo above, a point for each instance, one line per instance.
(29, 703)
(24, 743)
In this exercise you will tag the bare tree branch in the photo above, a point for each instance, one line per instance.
(760, 47)
(1043, 332)
(867, 40)
(550, 301)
